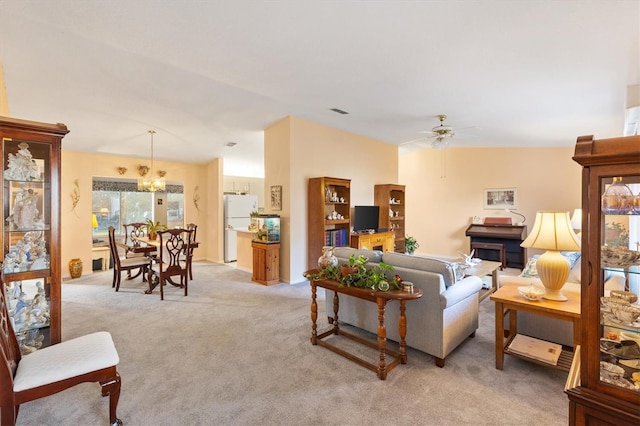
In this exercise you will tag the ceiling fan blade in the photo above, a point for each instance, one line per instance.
(413, 141)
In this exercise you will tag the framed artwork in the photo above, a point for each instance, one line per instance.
(500, 198)
(276, 197)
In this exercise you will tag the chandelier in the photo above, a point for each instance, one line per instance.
(147, 181)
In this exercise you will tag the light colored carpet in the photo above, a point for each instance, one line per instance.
(238, 353)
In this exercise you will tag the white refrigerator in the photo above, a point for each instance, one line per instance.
(237, 211)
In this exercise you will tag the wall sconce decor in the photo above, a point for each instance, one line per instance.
(143, 170)
(122, 170)
(75, 195)
(161, 173)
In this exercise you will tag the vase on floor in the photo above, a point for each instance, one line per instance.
(75, 268)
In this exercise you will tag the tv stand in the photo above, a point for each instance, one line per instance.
(383, 241)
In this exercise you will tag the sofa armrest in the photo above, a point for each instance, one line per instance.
(460, 291)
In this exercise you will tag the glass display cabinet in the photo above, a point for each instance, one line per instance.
(31, 229)
(606, 391)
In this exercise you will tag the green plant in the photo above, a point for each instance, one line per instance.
(154, 228)
(410, 244)
(373, 277)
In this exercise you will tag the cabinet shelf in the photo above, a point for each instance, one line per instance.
(391, 198)
(337, 222)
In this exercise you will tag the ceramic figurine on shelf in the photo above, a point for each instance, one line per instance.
(25, 212)
(22, 166)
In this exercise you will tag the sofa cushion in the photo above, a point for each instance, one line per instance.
(573, 257)
(446, 269)
(343, 253)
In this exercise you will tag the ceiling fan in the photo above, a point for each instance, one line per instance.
(440, 134)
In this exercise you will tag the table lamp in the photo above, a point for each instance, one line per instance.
(94, 221)
(552, 232)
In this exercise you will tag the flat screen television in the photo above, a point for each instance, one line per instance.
(365, 218)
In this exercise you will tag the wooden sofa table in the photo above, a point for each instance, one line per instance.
(380, 298)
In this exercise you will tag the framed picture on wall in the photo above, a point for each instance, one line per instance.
(500, 198)
(276, 197)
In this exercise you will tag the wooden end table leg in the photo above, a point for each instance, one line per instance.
(495, 280)
(499, 317)
(382, 339)
(402, 331)
(314, 315)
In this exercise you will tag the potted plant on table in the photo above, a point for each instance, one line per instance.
(154, 228)
(410, 245)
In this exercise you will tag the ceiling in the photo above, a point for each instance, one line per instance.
(527, 73)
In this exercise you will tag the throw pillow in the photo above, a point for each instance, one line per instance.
(571, 256)
(530, 270)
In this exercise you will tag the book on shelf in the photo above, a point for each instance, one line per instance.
(336, 238)
(538, 349)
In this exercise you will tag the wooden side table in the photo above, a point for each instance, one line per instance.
(486, 267)
(104, 253)
(509, 302)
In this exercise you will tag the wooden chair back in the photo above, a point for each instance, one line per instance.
(192, 246)
(171, 262)
(113, 247)
(10, 353)
(134, 230)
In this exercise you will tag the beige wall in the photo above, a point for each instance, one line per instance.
(82, 167)
(253, 186)
(304, 149)
(442, 200)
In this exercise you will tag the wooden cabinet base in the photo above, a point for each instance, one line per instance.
(587, 407)
(266, 263)
(379, 241)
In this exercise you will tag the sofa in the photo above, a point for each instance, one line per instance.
(551, 329)
(437, 323)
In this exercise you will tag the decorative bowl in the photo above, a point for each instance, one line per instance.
(627, 314)
(630, 366)
(610, 371)
(627, 296)
(607, 303)
(619, 257)
(531, 292)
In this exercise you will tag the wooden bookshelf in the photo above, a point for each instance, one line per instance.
(326, 195)
(396, 223)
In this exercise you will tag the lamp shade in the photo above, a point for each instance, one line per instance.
(94, 221)
(552, 231)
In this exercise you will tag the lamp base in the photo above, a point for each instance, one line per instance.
(555, 295)
(553, 269)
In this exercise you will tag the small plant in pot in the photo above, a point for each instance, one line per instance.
(154, 228)
(410, 245)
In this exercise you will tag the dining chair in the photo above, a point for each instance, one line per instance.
(192, 246)
(120, 264)
(132, 231)
(90, 358)
(171, 261)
